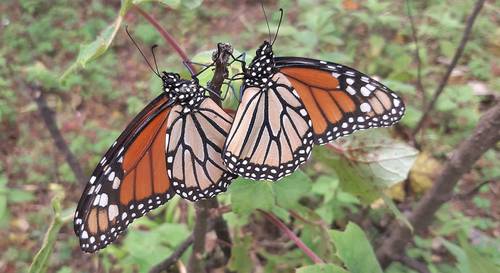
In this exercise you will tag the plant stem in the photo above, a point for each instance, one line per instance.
(168, 38)
(203, 207)
(273, 219)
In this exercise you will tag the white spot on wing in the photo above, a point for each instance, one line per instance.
(112, 212)
(365, 107)
(104, 200)
(351, 90)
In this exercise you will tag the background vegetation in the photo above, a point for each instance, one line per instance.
(342, 204)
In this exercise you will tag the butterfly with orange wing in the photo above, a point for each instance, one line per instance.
(173, 146)
(288, 104)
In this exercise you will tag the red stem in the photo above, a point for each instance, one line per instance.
(335, 148)
(315, 258)
(168, 38)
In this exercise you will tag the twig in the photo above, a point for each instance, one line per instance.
(199, 233)
(420, 86)
(167, 263)
(485, 136)
(222, 232)
(220, 57)
(315, 258)
(51, 124)
(168, 38)
(458, 53)
(475, 189)
(203, 207)
(413, 264)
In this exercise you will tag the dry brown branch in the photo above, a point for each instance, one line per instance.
(413, 264)
(47, 115)
(485, 136)
(458, 53)
(172, 259)
(420, 86)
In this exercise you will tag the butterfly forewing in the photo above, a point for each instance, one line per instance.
(339, 99)
(129, 180)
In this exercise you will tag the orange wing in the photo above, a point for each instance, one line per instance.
(339, 99)
(130, 180)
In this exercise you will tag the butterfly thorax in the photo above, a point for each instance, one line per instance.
(185, 92)
(188, 94)
(262, 68)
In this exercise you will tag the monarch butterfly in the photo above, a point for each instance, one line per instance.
(173, 146)
(288, 104)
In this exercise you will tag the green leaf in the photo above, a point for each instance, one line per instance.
(479, 263)
(3, 207)
(125, 6)
(147, 248)
(355, 250)
(316, 234)
(248, 195)
(3, 197)
(469, 259)
(240, 261)
(290, 189)
(191, 4)
(175, 4)
(99, 46)
(371, 161)
(17, 196)
(42, 257)
(38, 73)
(394, 209)
(321, 268)
(377, 45)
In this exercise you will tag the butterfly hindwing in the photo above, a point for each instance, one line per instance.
(195, 139)
(271, 134)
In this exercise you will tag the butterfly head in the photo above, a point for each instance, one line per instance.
(262, 65)
(170, 80)
(266, 49)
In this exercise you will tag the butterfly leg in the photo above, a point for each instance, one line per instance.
(242, 61)
(229, 86)
(195, 63)
(235, 77)
(195, 75)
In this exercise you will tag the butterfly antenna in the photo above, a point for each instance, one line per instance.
(154, 58)
(279, 24)
(144, 56)
(267, 21)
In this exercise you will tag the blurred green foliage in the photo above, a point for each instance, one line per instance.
(107, 83)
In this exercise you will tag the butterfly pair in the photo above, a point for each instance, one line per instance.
(184, 143)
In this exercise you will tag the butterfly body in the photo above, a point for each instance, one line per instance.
(290, 103)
